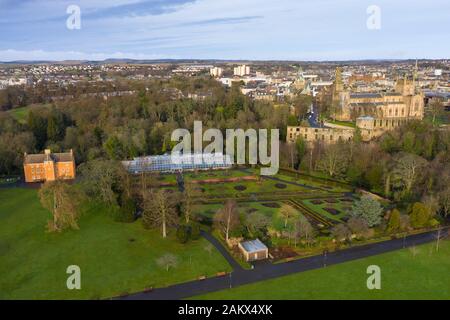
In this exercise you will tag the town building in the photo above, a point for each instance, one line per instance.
(49, 166)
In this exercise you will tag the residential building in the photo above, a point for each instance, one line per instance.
(216, 72)
(241, 71)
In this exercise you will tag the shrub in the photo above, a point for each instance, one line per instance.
(420, 215)
(183, 233)
(394, 221)
(126, 212)
(195, 231)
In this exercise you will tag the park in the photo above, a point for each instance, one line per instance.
(119, 259)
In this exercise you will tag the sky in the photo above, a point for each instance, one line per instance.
(225, 29)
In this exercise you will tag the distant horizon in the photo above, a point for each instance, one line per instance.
(218, 60)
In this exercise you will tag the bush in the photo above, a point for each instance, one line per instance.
(394, 221)
(183, 233)
(195, 231)
(420, 215)
(126, 212)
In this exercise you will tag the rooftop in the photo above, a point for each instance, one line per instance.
(48, 156)
(253, 246)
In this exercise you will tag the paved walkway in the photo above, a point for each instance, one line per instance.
(223, 251)
(267, 271)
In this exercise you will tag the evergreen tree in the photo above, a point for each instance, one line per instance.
(369, 209)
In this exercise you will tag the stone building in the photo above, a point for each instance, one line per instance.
(325, 135)
(403, 103)
(49, 166)
(369, 128)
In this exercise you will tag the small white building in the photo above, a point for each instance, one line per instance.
(254, 250)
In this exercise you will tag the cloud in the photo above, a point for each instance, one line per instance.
(229, 29)
(41, 55)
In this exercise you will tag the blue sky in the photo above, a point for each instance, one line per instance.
(224, 29)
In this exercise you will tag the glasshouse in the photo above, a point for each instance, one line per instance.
(178, 162)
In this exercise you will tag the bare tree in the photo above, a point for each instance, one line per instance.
(444, 200)
(187, 202)
(227, 218)
(256, 222)
(407, 168)
(334, 160)
(159, 210)
(167, 261)
(287, 213)
(341, 232)
(62, 201)
(209, 248)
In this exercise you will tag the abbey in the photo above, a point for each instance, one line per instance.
(404, 103)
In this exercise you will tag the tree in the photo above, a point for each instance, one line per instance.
(444, 200)
(167, 261)
(63, 201)
(407, 168)
(334, 160)
(187, 202)
(419, 215)
(358, 225)
(300, 145)
(257, 223)
(436, 108)
(306, 230)
(369, 209)
(114, 148)
(287, 213)
(394, 223)
(209, 248)
(227, 218)
(341, 232)
(159, 210)
(101, 179)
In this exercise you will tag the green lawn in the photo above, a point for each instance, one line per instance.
(403, 276)
(21, 114)
(114, 258)
(342, 123)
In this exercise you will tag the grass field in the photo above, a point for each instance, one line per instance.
(114, 258)
(403, 276)
(21, 114)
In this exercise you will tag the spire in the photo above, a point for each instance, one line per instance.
(414, 78)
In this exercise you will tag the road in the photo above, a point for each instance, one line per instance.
(313, 117)
(264, 271)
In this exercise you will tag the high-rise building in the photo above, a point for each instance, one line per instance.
(242, 70)
(216, 72)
